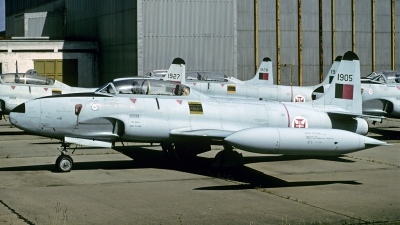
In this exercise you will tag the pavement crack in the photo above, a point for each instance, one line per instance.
(360, 220)
(305, 203)
(373, 161)
(16, 213)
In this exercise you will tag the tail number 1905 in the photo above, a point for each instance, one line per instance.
(345, 77)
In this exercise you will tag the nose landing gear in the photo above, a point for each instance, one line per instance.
(64, 162)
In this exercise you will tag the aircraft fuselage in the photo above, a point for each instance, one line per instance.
(243, 90)
(150, 119)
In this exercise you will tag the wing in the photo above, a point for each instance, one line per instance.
(206, 133)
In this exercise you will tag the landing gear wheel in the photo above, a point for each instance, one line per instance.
(64, 163)
(228, 158)
(167, 148)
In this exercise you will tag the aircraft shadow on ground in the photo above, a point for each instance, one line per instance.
(385, 134)
(17, 132)
(244, 177)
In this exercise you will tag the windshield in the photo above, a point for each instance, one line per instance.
(144, 87)
(209, 76)
(30, 77)
(385, 76)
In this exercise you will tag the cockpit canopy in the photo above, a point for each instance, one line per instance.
(208, 76)
(30, 77)
(194, 75)
(385, 76)
(144, 87)
(157, 74)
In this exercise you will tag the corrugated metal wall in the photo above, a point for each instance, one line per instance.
(289, 42)
(343, 29)
(327, 37)
(266, 36)
(200, 32)
(310, 42)
(113, 25)
(383, 35)
(138, 36)
(339, 34)
(397, 36)
(245, 38)
(363, 35)
(18, 7)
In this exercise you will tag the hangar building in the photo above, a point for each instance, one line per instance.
(302, 37)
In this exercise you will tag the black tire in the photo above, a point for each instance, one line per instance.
(167, 148)
(64, 163)
(3, 108)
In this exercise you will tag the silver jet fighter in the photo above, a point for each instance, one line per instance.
(381, 94)
(16, 88)
(261, 86)
(262, 76)
(186, 121)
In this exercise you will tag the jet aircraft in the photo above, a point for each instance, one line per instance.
(16, 88)
(261, 86)
(184, 120)
(262, 76)
(381, 94)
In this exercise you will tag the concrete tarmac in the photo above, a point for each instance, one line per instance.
(137, 184)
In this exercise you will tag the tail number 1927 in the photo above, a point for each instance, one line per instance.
(173, 76)
(345, 77)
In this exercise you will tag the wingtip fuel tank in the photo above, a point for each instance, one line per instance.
(178, 61)
(292, 141)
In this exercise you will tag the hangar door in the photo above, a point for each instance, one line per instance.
(64, 70)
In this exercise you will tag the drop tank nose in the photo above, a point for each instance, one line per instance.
(19, 109)
(15, 112)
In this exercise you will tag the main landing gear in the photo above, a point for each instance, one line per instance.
(228, 158)
(64, 162)
(182, 152)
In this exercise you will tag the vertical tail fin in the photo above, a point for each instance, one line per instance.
(176, 71)
(319, 89)
(345, 88)
(331, 74)
(264, 75)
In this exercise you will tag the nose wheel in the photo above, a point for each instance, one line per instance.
(64, 162)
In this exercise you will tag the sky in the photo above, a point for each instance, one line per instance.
(2, 15)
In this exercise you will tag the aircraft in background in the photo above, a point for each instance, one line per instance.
(185, 121)
(381, 94)
(261, 86)
(16, 88)
(262, 76)
(379, 101)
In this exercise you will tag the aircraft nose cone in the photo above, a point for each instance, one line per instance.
(25, 117)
